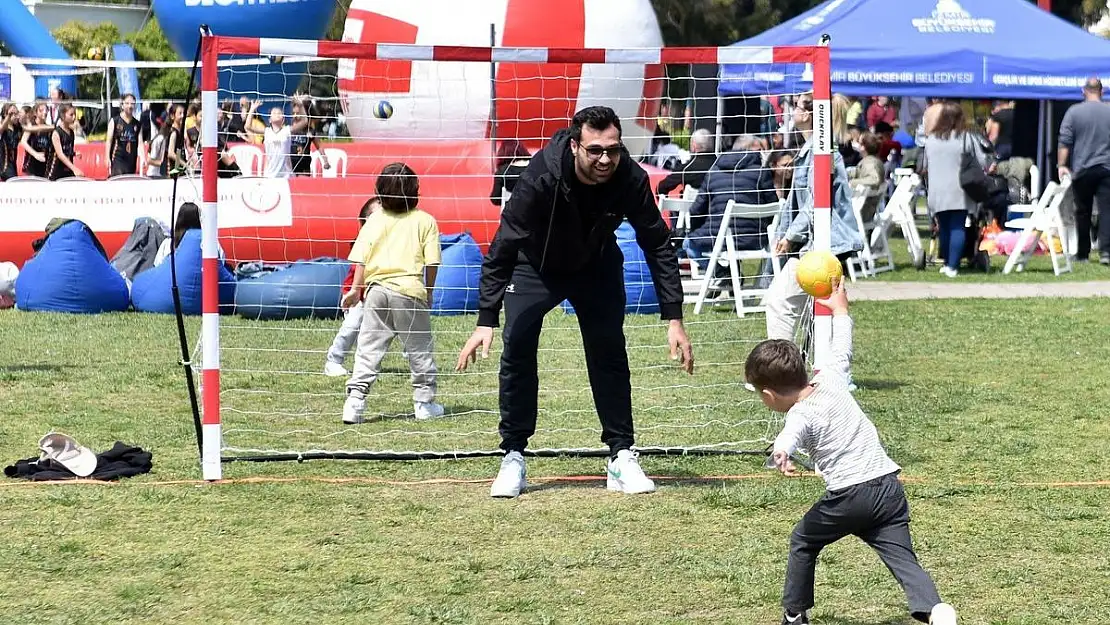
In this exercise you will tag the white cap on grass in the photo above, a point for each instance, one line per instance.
(68, 453)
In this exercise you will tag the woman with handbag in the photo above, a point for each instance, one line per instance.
(955, 180)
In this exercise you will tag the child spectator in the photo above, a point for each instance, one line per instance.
(869, 173)
(864, 497)
(36, 142)
(397, 255)
(59, 163)
(352, 320)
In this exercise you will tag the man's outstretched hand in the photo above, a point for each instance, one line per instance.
(482, 338)
(681, 350)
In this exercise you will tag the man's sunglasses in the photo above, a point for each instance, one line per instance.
(595, 151)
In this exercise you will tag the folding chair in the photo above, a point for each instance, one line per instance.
(679, 211)
(725, 254)
(876, 247)
(899, 210)
(337, 158)
(1045, 220)
(248, 157)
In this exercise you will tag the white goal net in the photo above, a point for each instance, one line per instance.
(288, 212)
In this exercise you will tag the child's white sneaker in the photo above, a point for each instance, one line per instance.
(624, 474)
(949, 272)
(354, 408)
(942, 614)
(510, 479)
(427, 410)
(334, 369)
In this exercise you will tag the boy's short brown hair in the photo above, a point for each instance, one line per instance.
(778, 365)
(871, 143)
(398, 188)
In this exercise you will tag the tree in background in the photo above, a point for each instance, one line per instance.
(150, 44)
(1082, 12)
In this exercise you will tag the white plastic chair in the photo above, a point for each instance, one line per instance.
(899, 210)
(337, 158)
(1044, 220)
(679, 211)
(128, 177)
(248, 157)
(27, 179)
(725, 254)
(1034, 182)
(875, 257)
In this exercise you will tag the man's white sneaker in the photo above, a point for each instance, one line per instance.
(942, 614)
(510, 479)
(624, 474)
(334, 369)
(354, 408)
(427, 410)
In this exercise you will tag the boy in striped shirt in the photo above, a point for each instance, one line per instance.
(864, 497)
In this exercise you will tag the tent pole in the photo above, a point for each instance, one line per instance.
(1049, 144)
(1041, 142)
(720, 130)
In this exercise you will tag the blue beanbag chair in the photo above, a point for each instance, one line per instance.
(639, 290)
(456, 288)
(151, 290)
(70, 274)
(304, 289)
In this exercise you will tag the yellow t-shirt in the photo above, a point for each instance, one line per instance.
(394, 248)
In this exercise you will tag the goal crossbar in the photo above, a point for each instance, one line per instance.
(213, 46)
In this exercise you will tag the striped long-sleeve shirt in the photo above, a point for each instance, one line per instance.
(829, 424)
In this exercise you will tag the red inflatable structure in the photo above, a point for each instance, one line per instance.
(264, 219)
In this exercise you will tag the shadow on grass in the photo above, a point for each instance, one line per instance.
(34, 368)
(844, 620)
(878, 385)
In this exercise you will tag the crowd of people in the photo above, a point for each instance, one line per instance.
(158, 145)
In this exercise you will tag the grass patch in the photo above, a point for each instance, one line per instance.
(975, 399)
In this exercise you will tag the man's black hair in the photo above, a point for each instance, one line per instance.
(596, 117)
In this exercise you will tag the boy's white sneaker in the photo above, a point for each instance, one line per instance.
(427, 410)
(624, 474)
(334, 369)
(354, 408)
(510, 479)
(942, 614)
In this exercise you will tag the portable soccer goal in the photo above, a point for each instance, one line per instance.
(454, 113)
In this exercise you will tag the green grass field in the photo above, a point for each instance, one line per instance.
(993, 408)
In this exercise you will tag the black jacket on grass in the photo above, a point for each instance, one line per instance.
(548, 225)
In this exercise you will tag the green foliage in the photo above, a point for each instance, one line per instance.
(721, 22)
(1082, 12)
(77, 38)
(150, 44)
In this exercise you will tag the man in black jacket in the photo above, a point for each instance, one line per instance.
(556, 242)
(692, 174)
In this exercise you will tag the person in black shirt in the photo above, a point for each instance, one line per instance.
(303, 142)
(556, 241)
(233, 128)
(122, 145)
(10, 133)
(227, 167)
(1000, 129)
(512, 160)
(692, 173)
(59, 163)
(36, 142)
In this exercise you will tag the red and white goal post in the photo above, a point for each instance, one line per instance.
(263, 394)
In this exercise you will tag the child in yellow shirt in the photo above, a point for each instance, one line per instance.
(397, 255)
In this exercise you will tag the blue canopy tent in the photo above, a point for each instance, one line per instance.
(1004, 49)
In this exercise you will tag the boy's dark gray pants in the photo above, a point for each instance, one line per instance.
(877, 512)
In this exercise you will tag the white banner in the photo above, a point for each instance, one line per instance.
(114, 205)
